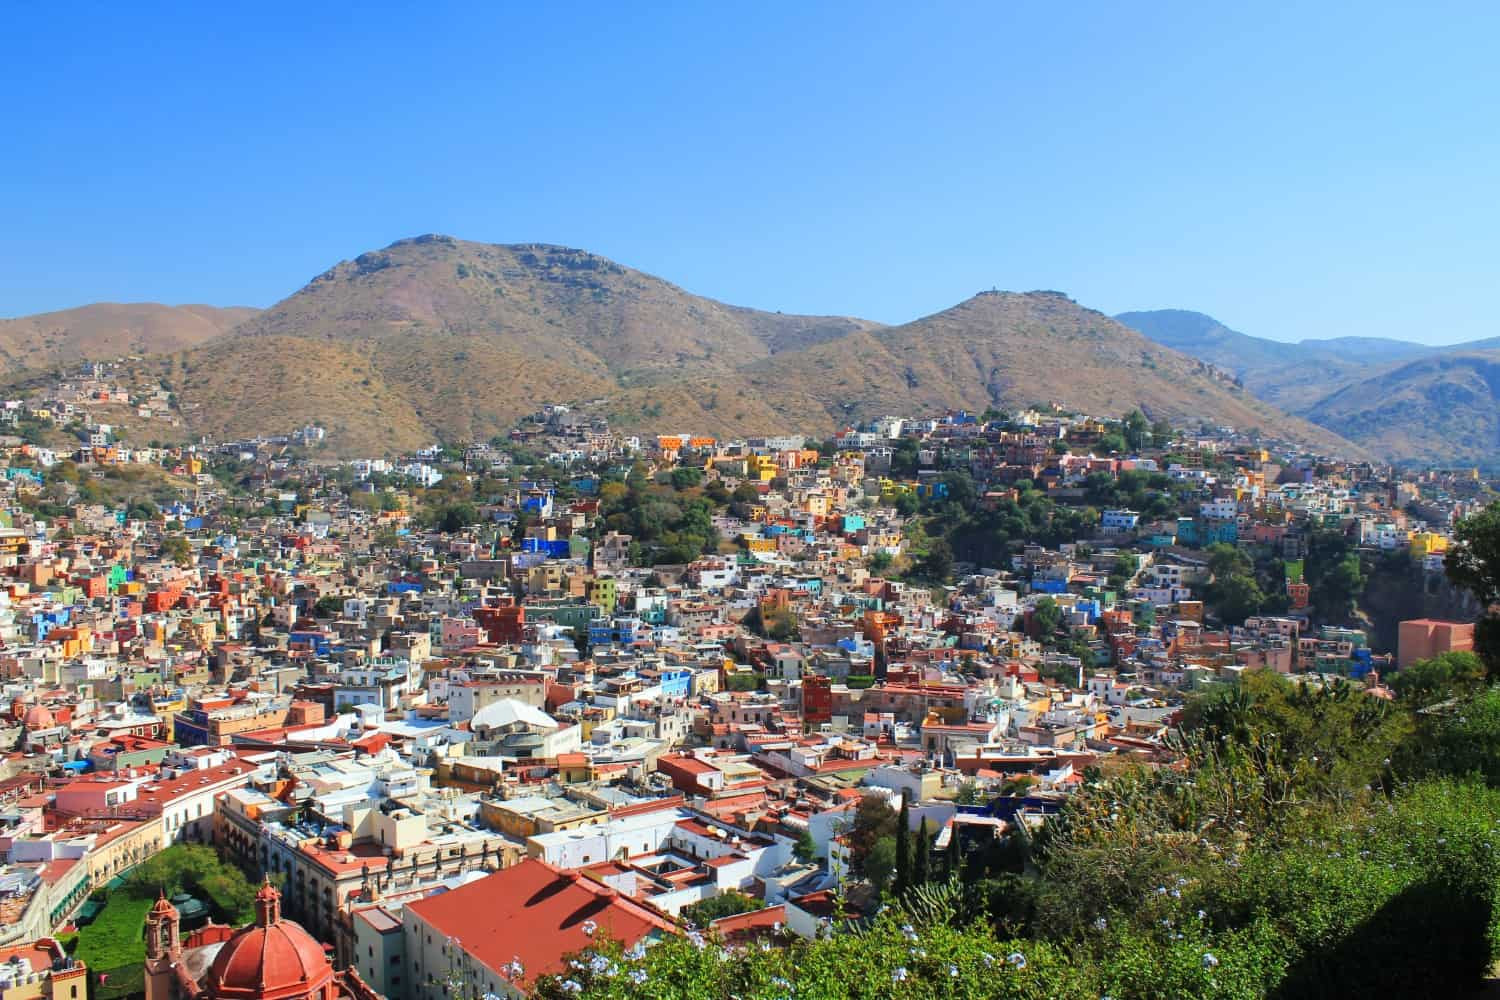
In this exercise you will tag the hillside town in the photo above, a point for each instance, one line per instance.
(674, 683)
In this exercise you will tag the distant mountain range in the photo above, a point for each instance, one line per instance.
(109, 330)
(1402, 400)
(435, 337)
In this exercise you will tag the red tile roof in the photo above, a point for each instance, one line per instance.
(537, 913)
(743, 927)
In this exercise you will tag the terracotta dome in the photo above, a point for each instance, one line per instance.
(37, 717)
(274, 959)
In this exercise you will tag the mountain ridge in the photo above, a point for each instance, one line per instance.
(433, 337)
(1382, 393)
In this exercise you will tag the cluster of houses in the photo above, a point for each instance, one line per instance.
(404, 725)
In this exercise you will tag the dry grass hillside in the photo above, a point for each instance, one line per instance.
(438, 338)
(110, 330)
(1010, 350)
(462, 338)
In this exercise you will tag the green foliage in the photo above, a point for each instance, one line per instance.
(1445, 676)
(686, 478)
(873, 820)
(1473, 563)
(1334, 574)
(879, 864)
(1461, 740)
(806, 849)
(1136, 430)
(178, 549)
(197, 869)
(115, 939)
(455, 517)
(725, 904)
(1046, 616)
(669, 527)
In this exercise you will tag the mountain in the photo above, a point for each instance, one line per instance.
(1291, 376)
(1439, 409)
(1009, 349)
(435, 337)
(1202, 336)
(1400, 400)
(1367, 350)
(109, 330)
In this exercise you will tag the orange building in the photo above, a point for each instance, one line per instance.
(1424, 638)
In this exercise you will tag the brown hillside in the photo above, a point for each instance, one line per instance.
(466, 337)
(109, 330)
(435, 338)
(1011, 350)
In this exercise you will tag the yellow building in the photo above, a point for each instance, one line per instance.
(762, 467)
(1426, 543)
(601, 593)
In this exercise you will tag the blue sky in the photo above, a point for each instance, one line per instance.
(1312, 170)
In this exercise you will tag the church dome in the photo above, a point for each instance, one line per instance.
(273, 959)
(37, 717)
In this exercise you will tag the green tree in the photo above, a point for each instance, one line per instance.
(455, 517)
(921, 862)
(178, 549)
(880, 863)
(1136, 430)
(1445, 676)
(873, 820)
(1236, 597)
(903, 849)
(806, 848)
(1473, 563)
(1046, 616)
(969, 794)
(685, 478)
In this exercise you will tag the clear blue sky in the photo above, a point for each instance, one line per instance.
(1310, 171)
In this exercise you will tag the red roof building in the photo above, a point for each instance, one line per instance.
(517, 924)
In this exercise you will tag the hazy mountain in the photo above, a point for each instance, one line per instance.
(1367, 350)
(1399, 399)
(1202, 336)
(1443, 408)
(107, 330)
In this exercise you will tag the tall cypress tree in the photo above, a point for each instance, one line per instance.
(903, 850)
(954, 862)
(919, 868)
